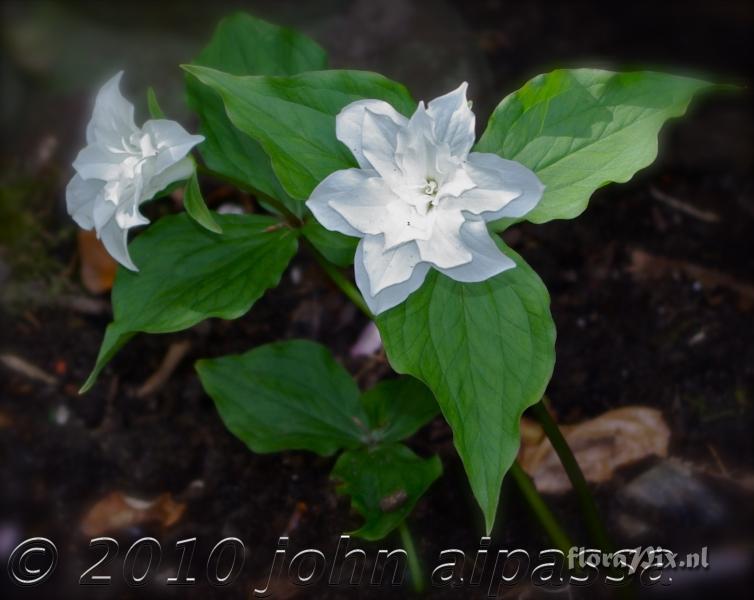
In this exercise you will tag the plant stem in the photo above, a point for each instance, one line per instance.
(543, 513)
(414, 565)
(342, 282)
(594, 525)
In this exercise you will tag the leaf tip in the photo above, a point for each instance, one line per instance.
(88, 384)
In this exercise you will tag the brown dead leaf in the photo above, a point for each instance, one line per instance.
(116, 511)
(97, 266)
(601, 445)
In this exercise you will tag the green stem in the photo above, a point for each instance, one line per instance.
(414, 565)
(537, 504)
(342, 282)
(594, 525)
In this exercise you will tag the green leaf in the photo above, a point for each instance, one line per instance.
(339, 249)
(243, 45)
(155, 111)
(188, 274)
(581, 129)
(486, 350)
(384, 482)
(286, 396)
(196, 208)
(293, 118)
(397, 408)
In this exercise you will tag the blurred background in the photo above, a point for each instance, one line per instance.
(652, 293)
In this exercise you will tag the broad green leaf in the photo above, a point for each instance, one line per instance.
(397, 408)
(243, 45)
(286, 396)
(155, 111)
(194, 204)
(188, 274)
(339, 249)
(293, 118)
(486, 350)
(581, 129)
(384, 483)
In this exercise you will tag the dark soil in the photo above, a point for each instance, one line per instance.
(660, 336)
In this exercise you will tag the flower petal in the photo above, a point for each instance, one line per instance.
(115, 241)
(487, 259)
(406, 224)
(95, 161)
(445, 248)
(386, 267)
(401, 266)
(416, 148)
(112, 119)
(128, 215)
(343, 187)
(373, 208)
(505, 188)
(177, 172)
(171, 141)
(350, 121)
(379, 141)
(453, 121)
(80, 197)
(103, 212)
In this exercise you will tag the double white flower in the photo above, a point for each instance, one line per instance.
(123, 166)
(420, 198)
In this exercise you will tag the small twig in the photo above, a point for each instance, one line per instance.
(674, 203)
(644, 264)
(23, 367)
(718, 460)
(84, 305)
(172, 359)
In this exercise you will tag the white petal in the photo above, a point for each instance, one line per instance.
(103, 212)
(445, 248)
(80, 197)
(113, 116)
(453, 121)
(379, 141)
(386, 267)
(406, 224)
(373, 208)
(171, 141)
(456, 184)
(341, 187)
(350, 121)
(487, 259)
(128, 216)
(115, 241)
(97, 162)
(408, 274)
(177, 172)
(416, 148)
(505, 188)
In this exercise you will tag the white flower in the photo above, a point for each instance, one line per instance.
(123, 166)
(420, 198)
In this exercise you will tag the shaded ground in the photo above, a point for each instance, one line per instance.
(638, 322)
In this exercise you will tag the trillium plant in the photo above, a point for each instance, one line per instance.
(347, 166)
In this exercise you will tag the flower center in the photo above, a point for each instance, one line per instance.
(431, 187)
